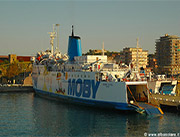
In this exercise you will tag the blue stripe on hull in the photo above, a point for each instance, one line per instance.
(96, 103)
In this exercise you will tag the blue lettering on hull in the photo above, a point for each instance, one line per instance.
(86, 88)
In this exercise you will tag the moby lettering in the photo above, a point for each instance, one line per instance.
(80, 88)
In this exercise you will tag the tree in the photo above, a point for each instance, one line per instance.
(5, 62)
(13, 70)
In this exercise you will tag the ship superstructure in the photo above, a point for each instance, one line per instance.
(90, 80)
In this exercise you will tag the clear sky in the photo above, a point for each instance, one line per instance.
(24, 25)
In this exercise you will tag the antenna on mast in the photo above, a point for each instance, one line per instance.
(57, 25)
(52, 36)
(72, 31)
(103, 48)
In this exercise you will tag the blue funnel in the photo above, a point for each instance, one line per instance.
(74, 46)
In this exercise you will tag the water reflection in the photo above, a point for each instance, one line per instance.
(137, 125)
(26, 115)
(60, 119)
(15, 114)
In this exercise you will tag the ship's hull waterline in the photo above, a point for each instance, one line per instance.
(85, 91)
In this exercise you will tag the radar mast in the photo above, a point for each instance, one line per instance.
(52, 37)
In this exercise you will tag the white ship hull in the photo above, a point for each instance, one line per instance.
(81, 87)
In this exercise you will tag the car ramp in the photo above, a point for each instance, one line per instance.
(144, 107)
(151, 109)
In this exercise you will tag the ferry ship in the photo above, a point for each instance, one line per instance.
(90, 80)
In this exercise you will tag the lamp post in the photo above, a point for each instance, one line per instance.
(24, 76)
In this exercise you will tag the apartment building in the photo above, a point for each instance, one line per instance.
(137, 56)
(168, 54)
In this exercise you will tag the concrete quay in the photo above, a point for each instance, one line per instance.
(16, 88)
(169, 101)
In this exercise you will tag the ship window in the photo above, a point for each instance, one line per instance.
(81, 76)
(84, 75)
(72, 75)
(88, 76)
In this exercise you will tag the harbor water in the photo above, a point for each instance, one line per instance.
(25, 114)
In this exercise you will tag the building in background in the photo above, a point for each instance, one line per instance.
(24, 58)
(11, 58)
(134, 56)
(111, 55)
(152, 62)
(168, 54)
(3, 58)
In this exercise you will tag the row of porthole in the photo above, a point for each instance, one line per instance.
(78, 76)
